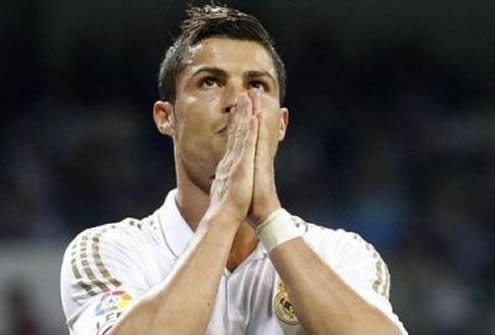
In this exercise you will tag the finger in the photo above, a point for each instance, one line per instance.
(255, 98)
(249, 148)
(230, 131)
(244, 107)
(263, 129)
(226, 162)
(263, 157)
(234, 127)
(246, 144)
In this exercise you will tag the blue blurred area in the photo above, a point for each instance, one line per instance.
(391, 134)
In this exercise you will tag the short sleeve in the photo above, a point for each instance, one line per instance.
(361, 267)
(100, 279)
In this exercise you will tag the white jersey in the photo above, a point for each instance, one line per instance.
(107, 268)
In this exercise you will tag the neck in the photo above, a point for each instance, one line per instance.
(193, 202)
(245, 241)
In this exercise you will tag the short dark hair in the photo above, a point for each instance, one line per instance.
(213, 21)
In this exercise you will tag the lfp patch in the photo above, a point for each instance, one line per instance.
(113, 301)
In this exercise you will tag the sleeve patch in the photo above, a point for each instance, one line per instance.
(110, 308)
(113, 301)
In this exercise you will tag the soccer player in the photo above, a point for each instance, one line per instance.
(221, 256)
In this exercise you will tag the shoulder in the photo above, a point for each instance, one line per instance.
(98, 258)
(106, 258)
(121, 235)
(356, 261)
(320, 237)
(347, 253)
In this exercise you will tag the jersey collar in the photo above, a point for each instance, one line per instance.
(177, 232)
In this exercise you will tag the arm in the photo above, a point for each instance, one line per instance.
(167, 309)
(324, 303)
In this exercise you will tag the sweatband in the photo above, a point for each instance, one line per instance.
(276, 229)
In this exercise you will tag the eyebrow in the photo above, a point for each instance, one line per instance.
(223, 74)
(257, 74)
(213, 70)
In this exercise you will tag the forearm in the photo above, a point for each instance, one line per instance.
(324, 303)
(184, 302)
(167, 309)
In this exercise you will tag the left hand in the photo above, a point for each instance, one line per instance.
(265, 199)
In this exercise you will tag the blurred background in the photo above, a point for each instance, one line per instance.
(392, 135)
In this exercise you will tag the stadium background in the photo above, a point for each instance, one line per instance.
(392, 134)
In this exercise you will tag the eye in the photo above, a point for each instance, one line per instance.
(209, 82)
(259, 85)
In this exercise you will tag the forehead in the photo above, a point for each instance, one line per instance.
(230, 55)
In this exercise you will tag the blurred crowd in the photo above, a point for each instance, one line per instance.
(395, 144)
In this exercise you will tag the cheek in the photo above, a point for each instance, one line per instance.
(190, 113)
(203, 98)
(200, 106)
(213, 101)
(274, 131)
(272, 108)
(198, 118)
(190, 100)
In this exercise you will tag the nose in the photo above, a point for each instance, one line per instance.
(229, 108)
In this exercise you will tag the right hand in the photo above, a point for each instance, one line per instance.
(232, 190)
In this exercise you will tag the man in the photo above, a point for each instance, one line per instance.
(221, 256)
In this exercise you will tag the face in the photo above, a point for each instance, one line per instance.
(218, 71)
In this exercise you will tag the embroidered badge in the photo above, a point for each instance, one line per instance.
(283, 307)
(113, 301)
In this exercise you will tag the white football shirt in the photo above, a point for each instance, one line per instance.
(107, 268)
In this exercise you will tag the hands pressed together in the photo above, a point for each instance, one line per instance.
(244, 185)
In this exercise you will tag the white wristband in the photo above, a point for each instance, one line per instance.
(277, 228)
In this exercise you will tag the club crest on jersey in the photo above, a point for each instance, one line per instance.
(283, 307)
(113, 301)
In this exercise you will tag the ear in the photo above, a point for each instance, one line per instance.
(163, 115)
(284, 122)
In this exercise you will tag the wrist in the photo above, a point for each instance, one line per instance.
(277, 229)
(222, 220)
(261, 212)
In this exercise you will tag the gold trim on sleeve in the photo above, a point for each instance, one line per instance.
(87, 267)
(386, 289)
(76, 272)
(87, 249)
(99, 262)
(382, 283)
